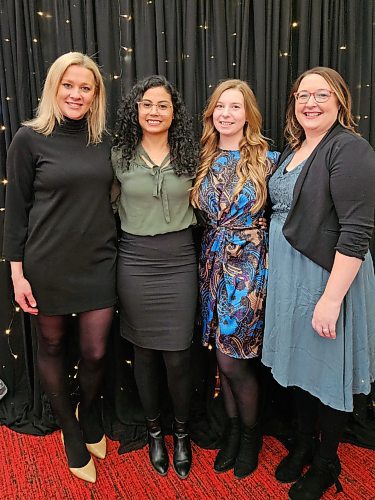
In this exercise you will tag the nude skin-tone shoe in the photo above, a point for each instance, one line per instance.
(99, 449)
(87, 472)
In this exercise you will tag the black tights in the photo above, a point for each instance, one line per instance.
(313, 416)
(147, 377)
(94, 328)
(239, 385)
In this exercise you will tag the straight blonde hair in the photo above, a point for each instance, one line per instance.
(48, 112)
(253, 164)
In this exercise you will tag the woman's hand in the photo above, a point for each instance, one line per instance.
(22, 289)
(24, 295)
(327, 309)
(325, 317)
(262, 223)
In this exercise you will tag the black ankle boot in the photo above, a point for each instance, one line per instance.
(182, 449)
(156, 447)
(321, 475)
(290, 468)
(227, 455)
(250, 446)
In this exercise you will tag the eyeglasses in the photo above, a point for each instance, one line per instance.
(321, 95)
(162, 107)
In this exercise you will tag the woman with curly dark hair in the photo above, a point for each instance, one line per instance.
(155, 160)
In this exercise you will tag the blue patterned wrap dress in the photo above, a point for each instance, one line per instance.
(233, 261)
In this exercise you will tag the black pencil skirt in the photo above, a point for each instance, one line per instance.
(157, 286)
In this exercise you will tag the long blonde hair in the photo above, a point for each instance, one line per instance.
(48, 112)
(294, 132)
(253, 163)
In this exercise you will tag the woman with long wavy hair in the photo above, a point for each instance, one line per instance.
(231, 193)
(155, 161)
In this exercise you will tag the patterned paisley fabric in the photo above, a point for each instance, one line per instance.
(233, 262)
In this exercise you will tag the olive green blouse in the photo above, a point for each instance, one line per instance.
(153, 199)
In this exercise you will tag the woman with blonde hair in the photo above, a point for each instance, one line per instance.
(320, 329)
(231, 193)
(60, 239)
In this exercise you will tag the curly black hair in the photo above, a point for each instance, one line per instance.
(128, 133)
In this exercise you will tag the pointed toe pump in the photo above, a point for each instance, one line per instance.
(98, 449)
(87, 472)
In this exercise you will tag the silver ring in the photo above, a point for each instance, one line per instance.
(325, 330)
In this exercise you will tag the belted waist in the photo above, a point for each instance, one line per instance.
(225, 237)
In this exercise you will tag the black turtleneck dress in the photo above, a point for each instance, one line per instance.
(58, 218)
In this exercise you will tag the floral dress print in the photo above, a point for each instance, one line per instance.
(233, 262)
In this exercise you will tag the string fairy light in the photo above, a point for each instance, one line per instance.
(127, 18)
(8, 330)
(217, 385)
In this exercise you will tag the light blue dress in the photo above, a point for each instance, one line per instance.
(331, 370)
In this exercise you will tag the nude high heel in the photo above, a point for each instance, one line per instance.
(99, 449)
(87, 472)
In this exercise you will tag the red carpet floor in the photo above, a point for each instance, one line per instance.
(34, 468)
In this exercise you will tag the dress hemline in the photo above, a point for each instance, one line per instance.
(82, 309)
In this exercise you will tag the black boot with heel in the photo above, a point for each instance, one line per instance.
(156, 447)
(322, 474)
(250, 445)
(182, 455)
(226, 457)
(291, 467)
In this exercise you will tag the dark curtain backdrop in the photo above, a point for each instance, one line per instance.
(195, 43)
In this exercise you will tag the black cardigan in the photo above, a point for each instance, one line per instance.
(333, 203)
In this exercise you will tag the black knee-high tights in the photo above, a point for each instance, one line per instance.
(94, 327)
(316, 418)
(147, 377)
(239, 385)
